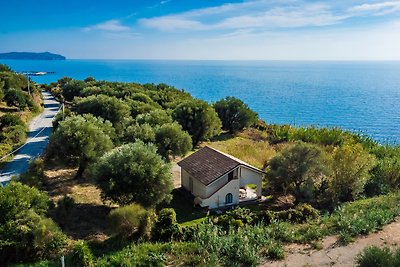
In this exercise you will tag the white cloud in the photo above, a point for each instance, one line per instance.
(310, 15)
(377, 9)
(110, 25)
(172, 23)
(250, 14)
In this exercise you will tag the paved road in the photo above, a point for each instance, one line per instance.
(39, 130)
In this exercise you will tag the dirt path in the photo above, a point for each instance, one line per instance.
(333, 254)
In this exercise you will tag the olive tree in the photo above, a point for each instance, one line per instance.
(234, 114)
(109, 108)
(171, 140)
(81, 140)
(300, 169)
(199, 119)
(134, 173)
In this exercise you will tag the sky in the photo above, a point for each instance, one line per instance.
(204, 29)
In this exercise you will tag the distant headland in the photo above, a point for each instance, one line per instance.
(31, 56)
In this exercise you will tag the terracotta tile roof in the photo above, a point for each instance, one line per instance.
(208, 164)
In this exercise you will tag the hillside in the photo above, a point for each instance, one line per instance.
(31, 56)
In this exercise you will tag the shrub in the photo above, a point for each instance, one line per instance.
(300, 214)
(375, 257)
(81, 255)
(364, 216)
(154, 259)
(236, 218)
(17, 98)
(301, 170)
(166, 228)
(9, 119)
(127, 220)
(35, 174)
(275, 251)
(351, 168)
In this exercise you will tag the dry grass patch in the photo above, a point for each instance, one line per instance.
(86, 193)
(255, 151)
(87, 218)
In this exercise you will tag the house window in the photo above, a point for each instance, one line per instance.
(228, 198)
(230, 176)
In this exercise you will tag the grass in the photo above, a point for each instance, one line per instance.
(249, 146)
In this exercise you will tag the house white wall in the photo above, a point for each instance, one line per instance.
(218, 198)
(216, 185)
(185, 179)
(198, 189)
(214, 194)
(250, 176)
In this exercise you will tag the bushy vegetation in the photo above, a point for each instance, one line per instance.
(26, 233)
(127, 220)
(81, 255)
(166, 228)
(17, 105)
(378, 257)
(80, 140)
(134, 173)
(234, 114)
(199, 119)
(125, 134)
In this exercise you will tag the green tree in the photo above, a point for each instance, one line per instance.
(166, 227)
(109, 108)
(300, 169)
(18, 98)
(351, 167)
(134, 173)
(144, 132)
(199, 119)
(234, 114)
(1, 90)
(4, 68)
(25, 231)
(154, 118)
(9, 119)
(71, 88)
(171, 140)
(81, 140)
(13, 80)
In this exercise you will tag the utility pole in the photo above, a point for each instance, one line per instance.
(29, 91)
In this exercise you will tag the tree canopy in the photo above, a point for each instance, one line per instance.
(109, 108)
(25, 231)
(299, 170)
(351, 167)
(80, 140)
(134, 173)
(199, 119)
(171, 140)
(234, 114)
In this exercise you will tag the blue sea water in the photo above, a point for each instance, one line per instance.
(358, 96)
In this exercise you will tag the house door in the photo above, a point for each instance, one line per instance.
(191, 184)
(228, 198)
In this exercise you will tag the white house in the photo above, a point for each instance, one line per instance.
(217, 179)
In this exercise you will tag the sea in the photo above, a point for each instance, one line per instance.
(362, 96)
